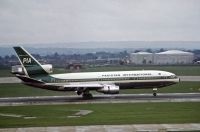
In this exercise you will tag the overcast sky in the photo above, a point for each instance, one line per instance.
(52, 21)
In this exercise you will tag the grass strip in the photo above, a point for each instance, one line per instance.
(107, 114)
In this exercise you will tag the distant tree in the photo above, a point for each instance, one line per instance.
(56, 54)
(196, 51)
(7, 57)
(121, 62)
(137, 51)
(13, 57)
(123, 54)
(161, 50)
(37, 56)
(149, 50)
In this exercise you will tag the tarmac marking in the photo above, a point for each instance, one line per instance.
(10, 115)
(83, 112)
(80, 113)
(17, 116)
(30, 117)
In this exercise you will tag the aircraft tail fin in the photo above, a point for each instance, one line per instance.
(32, 67)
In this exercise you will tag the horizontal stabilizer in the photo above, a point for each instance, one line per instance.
(28, 79)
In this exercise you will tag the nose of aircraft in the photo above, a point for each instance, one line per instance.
(177, 80)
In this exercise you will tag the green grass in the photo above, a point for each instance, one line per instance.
(6, 73)
(107, 114)
(14, 90)
(193, 70)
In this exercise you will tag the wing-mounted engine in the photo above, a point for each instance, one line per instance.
(18, 69)
(109, 89)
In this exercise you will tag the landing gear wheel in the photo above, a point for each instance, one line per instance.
(154, 92)
(79, 92)
(87, 96)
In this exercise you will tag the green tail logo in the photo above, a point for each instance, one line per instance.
(31, 66)
(26, 60)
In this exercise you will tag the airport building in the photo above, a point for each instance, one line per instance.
(141, 58)
(162, 58)
(173, 57)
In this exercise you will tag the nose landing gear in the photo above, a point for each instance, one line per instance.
(155, 92)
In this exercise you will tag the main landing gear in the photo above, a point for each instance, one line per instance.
(155, 92)
(85, 94)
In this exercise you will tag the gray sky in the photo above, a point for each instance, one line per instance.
(52, 21)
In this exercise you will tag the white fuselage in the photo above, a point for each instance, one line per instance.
(124, 79)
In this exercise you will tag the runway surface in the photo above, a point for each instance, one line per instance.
(121, 98)
(16, 80)
(111, 128)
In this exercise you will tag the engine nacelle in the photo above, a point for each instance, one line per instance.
(18, 69)
(109, 89)
(48, 68)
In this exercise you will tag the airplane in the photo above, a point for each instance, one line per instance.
(34, 74)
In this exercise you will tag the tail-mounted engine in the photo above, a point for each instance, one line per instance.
(18, 69)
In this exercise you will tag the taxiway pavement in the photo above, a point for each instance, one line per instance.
(111, 128)
(121, 98)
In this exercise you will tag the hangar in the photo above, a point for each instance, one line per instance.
(173, 57)
(141, 58)
(162, 58)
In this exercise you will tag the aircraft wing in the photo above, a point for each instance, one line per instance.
(100, 87)
(84, 85)
(81, 87)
